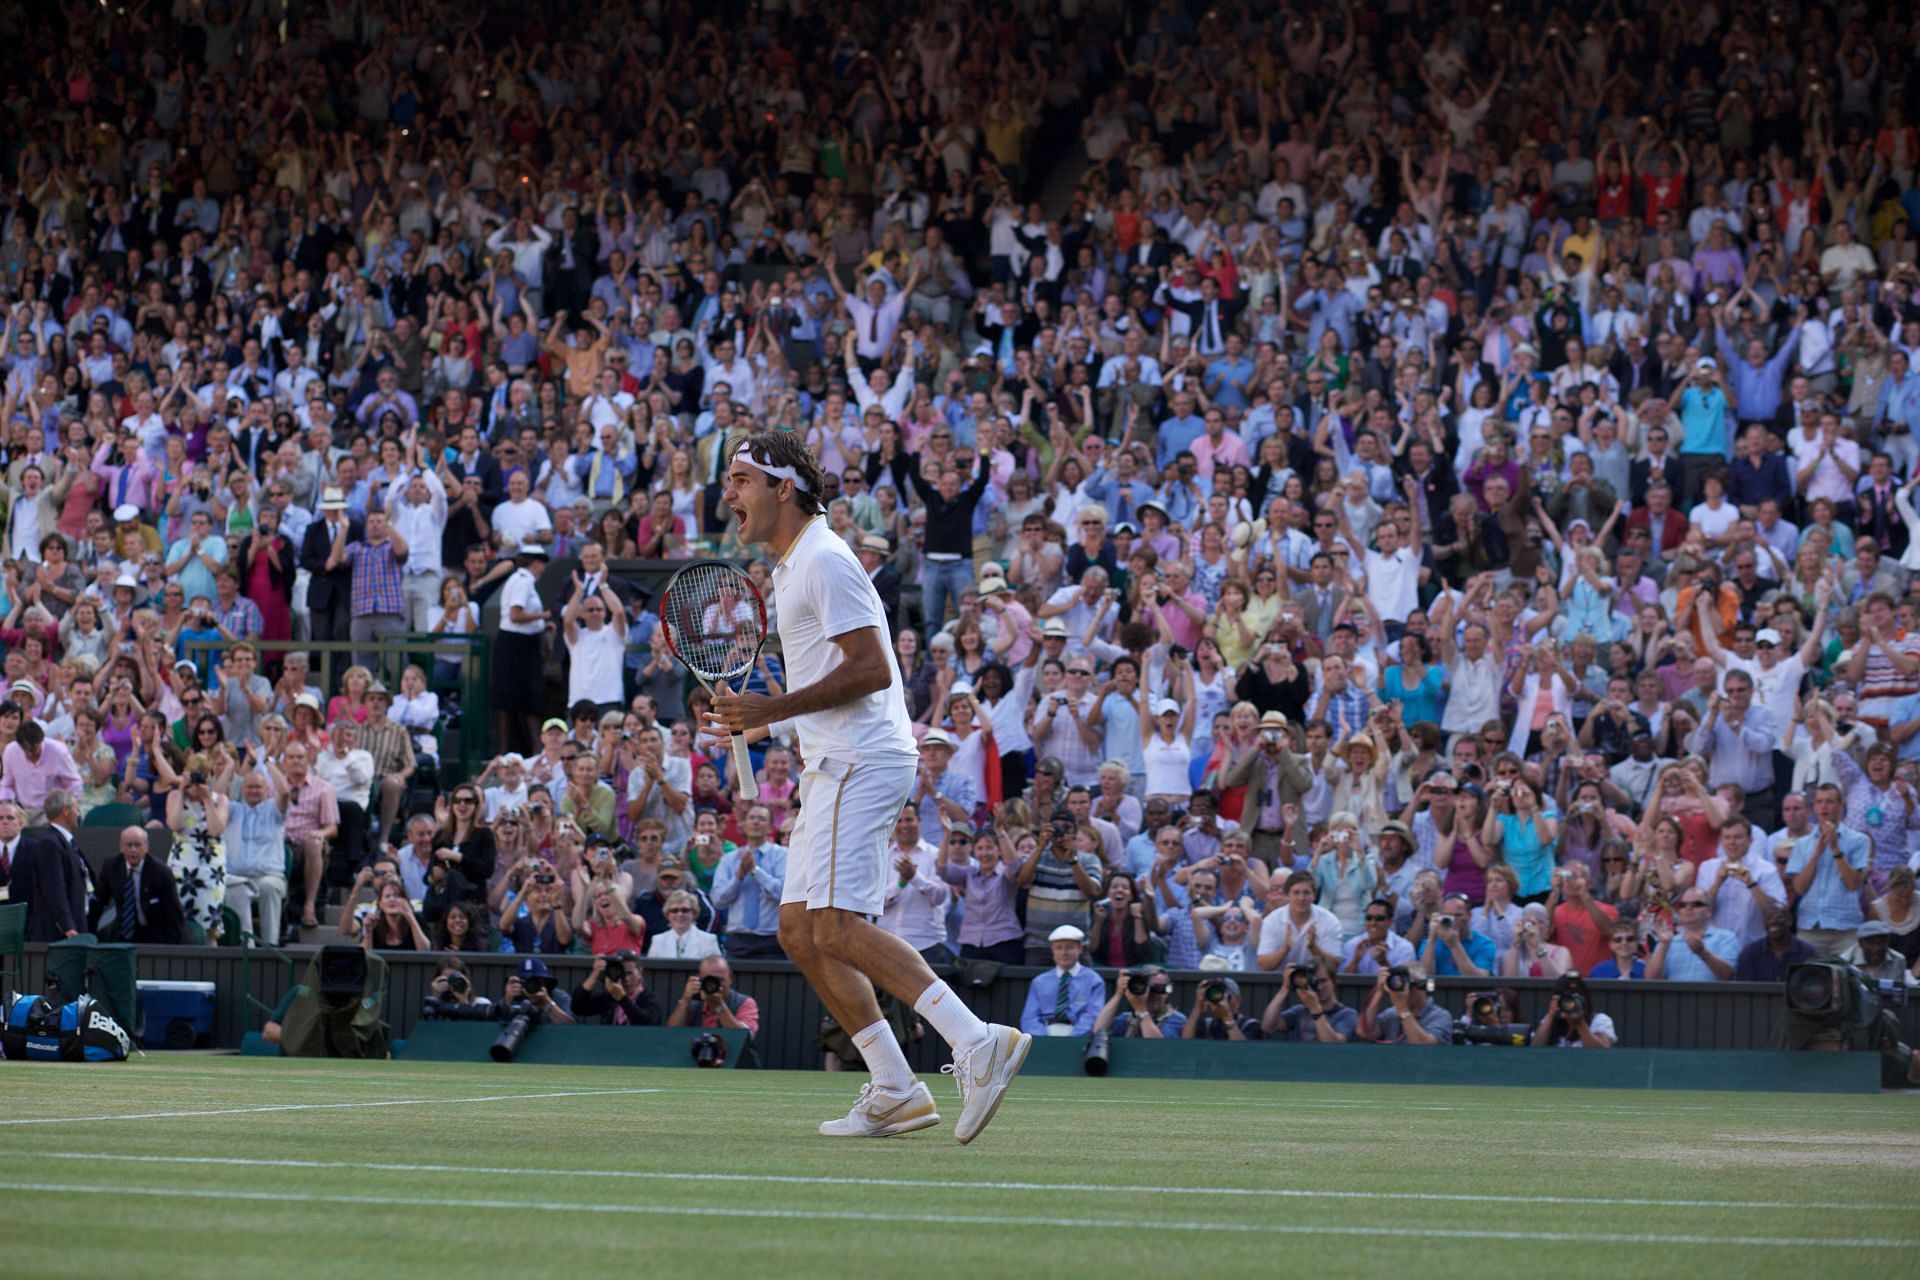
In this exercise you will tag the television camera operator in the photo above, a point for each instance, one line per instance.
(615, 993)
(1315, 1015)
(1571, 1022)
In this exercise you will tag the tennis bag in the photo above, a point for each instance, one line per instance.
(36, 1029)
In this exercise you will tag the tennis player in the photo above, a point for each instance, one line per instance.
(847, 703)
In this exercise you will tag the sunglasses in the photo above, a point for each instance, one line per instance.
(1378, 919)
(1078, 671)
(679, 911)
(1696, 905)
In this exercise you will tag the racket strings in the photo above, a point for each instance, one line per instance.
(714, 621)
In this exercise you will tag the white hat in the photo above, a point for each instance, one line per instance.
(1704, 364)
(1054, 627)
(333, 498)
(1767, 635)
(1166, 706)
(128, 581)
(876, 543)
(1067, 933)
(126, 513)
(937, 738)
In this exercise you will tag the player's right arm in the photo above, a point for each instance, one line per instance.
(864, 669)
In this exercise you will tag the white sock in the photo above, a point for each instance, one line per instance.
(884, 1057)
(958, 1025)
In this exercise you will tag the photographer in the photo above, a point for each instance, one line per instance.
(1571, 1022)
(1316, 1016)
(450, 995)
(709, 1000)
(616, 993)
(1413, 1019)
(533, 985)
(1138, 1007)
(1216, 1014)
(1453, 949)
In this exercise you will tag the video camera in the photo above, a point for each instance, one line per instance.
(1832, 1006)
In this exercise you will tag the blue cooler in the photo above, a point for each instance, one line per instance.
(179, 1015)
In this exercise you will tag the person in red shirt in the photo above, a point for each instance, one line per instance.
(1580, 924)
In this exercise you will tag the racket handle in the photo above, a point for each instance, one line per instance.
(744, 784)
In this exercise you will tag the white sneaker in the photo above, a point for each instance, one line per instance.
(881, 1113)
(983, 1075)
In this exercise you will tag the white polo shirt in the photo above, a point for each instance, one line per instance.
(1393, 583)
(820, 592)
(522, 589)
(594, 670)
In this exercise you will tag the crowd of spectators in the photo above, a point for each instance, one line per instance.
(1411, 488)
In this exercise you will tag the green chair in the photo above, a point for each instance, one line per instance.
(115, 815)
(13, 945)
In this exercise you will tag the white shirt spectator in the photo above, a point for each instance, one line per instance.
(917, 911)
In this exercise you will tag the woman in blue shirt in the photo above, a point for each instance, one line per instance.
(1523, 835)
(1420, 690)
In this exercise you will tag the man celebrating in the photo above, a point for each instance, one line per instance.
(846, 703)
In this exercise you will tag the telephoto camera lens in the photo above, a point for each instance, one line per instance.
(1096, 1060)
(1137, 983)
(710, 985)
(1216, 992)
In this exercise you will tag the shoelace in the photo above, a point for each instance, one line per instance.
(958, 1070)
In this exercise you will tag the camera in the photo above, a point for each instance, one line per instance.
(1095, 1063)
(709, 985)
(522, 1018)
(1299, 978)
(545, 877)
(434, 1009)
(1570, 995)
(1398, 977)
(1177, 653)
(196, 779)
(457, 983)
(1482, 1006)
(1444, 922)
(1216, 993)
(709, 1050)
(1138, 983)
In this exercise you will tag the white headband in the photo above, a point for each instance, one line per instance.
(778, 473)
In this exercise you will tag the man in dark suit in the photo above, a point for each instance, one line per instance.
(1634, 366)
(875, 554)
(1146, 260)
(571, 264)
(47, 873)
(1661, 463)
(141, 895)
(329, 591)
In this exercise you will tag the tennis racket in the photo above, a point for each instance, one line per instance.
(716, 623)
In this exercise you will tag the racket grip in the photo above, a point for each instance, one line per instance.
(744, 784)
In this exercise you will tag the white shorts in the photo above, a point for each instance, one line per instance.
(837, 850)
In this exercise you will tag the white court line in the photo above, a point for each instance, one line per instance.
(938, 1184)
(324, 1106)
(964, 1219)
(1097, 1099)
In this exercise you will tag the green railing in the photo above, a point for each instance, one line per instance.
(391, 658)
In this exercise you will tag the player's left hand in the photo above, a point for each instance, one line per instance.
(739, 712)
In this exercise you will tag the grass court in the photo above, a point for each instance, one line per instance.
(189, 1166)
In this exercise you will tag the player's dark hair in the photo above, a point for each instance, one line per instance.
(786, 449)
